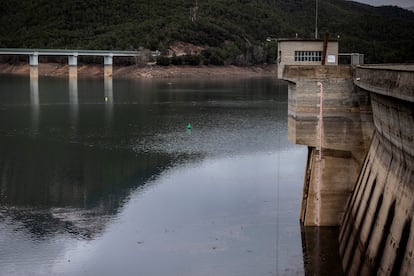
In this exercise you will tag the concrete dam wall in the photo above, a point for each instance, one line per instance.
(376, 232)
(346, 135)
(364, 181)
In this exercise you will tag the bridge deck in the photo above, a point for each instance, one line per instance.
(70, 52)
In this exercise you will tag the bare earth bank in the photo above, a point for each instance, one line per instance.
(147, 72)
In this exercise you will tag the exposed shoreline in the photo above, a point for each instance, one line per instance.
(147, 72)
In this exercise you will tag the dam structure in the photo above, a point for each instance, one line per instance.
(376, 231)
(359, 174)
(337, 152)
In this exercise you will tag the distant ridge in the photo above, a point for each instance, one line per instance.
(225, 31)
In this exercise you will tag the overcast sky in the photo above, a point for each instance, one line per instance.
(401, 3)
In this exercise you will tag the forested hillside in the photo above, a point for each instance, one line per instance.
(230, 31)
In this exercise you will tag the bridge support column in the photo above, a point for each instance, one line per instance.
(34, 73)
(73, 66)
(34, 59)
(108, 61)
(73, 60)
(73, 72)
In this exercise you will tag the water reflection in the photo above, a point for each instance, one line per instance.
(34, 105)
(53, 188)
(108, 90)
(73, 105)
(320, 251)
(109, 101)
(205, 218)
(123, 186)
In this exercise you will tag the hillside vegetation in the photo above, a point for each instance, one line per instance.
(230, 31)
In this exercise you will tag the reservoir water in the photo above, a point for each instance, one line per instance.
(104, 178)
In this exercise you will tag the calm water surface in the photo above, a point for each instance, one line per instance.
(104, 178)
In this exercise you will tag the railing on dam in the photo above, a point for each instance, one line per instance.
(350, 58)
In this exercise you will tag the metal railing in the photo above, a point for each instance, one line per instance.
(70, 52)
(351, 58)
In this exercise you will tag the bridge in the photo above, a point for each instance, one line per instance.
(71, 54)
(364, 180)
(108, 56)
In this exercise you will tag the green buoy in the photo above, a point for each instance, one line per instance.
(189, 126)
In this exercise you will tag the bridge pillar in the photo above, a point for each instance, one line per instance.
(73, 66)
(73, 60)
(108, 61)
(73, 72)
(34, 59)
(34, 73)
